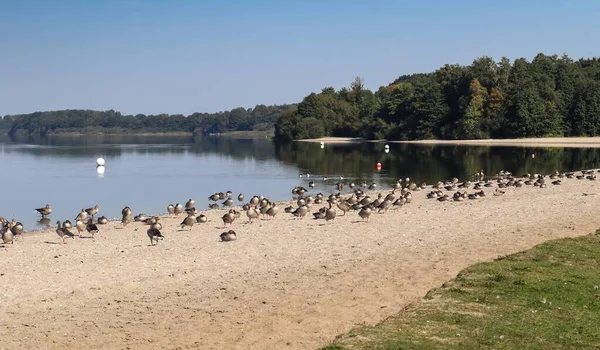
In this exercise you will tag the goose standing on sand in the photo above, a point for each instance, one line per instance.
(228, 236)
(189, 221)
(82, 215)
(228, 218)
(190, 204)
(7, 234)
(170, 209)
(155, 235)
(300, 212)
(67, 224)
(214, 197)
(343, 206)
(227, 203)
(91, 227)
(330, 212)
(80, 226)
(17, 229)
(127, 218)
(178, 209)
(365, 213)
(45, 211)
(252, 213)
(93, 211)
(240, 197)
(63, 232)
(102, 220)
(273, 210)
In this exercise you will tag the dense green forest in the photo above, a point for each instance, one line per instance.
(259, 118)
(549, 96)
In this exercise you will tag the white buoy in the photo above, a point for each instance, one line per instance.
(100, 170)
(100, 161)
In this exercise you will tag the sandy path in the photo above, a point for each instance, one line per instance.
(587, 142)
(284, 283)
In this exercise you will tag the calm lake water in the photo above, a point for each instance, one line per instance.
(148, 173)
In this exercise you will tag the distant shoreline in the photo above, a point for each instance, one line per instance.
(585, 142)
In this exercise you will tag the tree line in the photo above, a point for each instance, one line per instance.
(549, 96)
(259, 118)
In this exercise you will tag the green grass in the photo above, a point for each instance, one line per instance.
(543, 298)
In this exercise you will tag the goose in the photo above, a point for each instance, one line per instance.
(82, 215)
(189, 221)
(213, 206)
(240, 197)
(127, 218)
(385, 205)
(343, 206)
(190, 204)
(273, 210)
(201, 219)
(17, 229)
(63, 232)
(228, 194)
(170, 209)
(498, 192)
(45, 211)
(7, 234)
(178, 209)
(80, 226)
(227, 203)
(228, 218)
(155, 235)
(365, 213)
(93, 211)
(91, 227)
(67, 224)
(252, 213)
(330, 212)
(102, 220)
(151, 220)
(228, 236)
(214, 197)
(320, 214)
(300, 212)
(157, 225)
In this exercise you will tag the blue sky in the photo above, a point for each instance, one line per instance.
(149, 56)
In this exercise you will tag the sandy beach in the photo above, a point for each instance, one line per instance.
(587, 142)
(284, 283)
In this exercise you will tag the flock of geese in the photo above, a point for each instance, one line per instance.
(358, 200)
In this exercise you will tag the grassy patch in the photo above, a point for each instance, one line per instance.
(543, 298)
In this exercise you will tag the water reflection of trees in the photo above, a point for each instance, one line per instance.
(116, 146)
(431, 163)
(420, 162)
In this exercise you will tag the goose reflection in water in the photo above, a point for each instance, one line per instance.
(45, 222)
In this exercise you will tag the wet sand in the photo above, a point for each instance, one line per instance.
(284, 283)
(586, 142)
